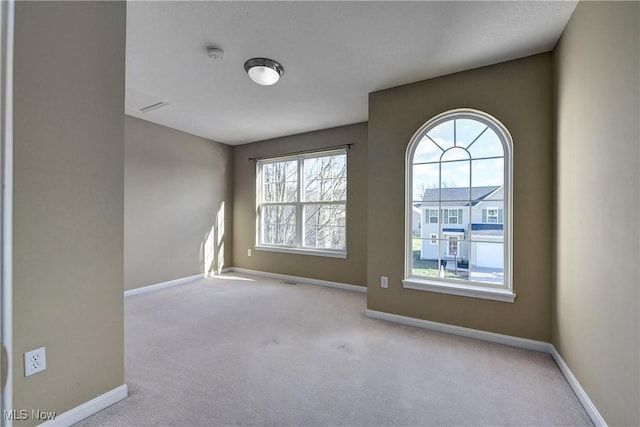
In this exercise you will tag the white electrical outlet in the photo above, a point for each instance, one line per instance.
(248, 252)
(384, 281)
(35, 361)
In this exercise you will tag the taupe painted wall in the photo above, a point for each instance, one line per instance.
(351, 270)
(596, 311)
(178, 207)
(68, 200)
(518, 93)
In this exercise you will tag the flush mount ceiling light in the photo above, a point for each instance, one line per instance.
(263, 71)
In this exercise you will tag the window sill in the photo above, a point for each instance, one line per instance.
(298, 251)
(473, 291)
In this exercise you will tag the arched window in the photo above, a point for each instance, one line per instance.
(458, 187)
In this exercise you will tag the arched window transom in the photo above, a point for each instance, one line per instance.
(458, 190)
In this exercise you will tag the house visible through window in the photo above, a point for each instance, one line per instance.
(301, 203)
(459, 171)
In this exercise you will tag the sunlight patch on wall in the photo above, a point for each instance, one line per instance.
(208, 249)
(213, 247)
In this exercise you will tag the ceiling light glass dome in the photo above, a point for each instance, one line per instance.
(263, 71)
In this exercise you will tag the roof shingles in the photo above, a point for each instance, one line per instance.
(459, 196)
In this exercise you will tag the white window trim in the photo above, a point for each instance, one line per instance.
(432, 237)
(451, 214)
(461, 289)
(302, 251)
(299, 249)
(471, 289)
(436, 216)
(496, 216)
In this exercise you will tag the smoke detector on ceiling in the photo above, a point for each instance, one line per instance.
(215, 52)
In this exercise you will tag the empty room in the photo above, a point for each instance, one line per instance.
(320, 213)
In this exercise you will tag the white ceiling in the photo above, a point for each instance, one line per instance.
(334, 54)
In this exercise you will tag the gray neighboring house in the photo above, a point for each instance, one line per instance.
(466, 227)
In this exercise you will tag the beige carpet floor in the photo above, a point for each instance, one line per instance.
(239, 350)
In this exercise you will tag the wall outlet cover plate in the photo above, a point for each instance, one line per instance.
(35, 361)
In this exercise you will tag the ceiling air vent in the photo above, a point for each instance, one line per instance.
(153, 106)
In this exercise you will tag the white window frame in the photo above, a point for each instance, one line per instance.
(494, 217)
(453, 214)
(433, 216)
(433, 239)
(298, 246)
(498, 292)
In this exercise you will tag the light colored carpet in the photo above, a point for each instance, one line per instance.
(242, 350)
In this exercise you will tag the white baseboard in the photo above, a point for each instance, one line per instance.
(304, 280)
(459, 330)
(89, 408)
(543, 347)
(577, 388)
(157, 286)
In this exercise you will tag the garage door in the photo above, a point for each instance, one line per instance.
(490, 255)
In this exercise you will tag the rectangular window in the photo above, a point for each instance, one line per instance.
(302, 203)
(492, 216)
(433, 216)
(434, 239)
(454, 216)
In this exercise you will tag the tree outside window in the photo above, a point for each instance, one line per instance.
(302, 202)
